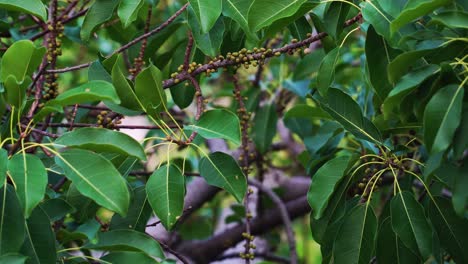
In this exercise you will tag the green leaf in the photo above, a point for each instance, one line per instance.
(410, 224)
(3, 165)
(326, 72)
(138, 213)
(209, 43)
(57, 208)
(33, 7)
(264, 12)
(415, 9)
(355, 241)
(348, 113)
(96, 178)
(377, 64)
(207, 12)
(405, 86)
(30, 178)
(451, 229)
(324, 183)
(218, 123)
(16, 91)
(128, 11)
(221, 170)
(334, 18)
(39, 244)
(11, 221)
(127, 240)
(21, 59)
(238, 10)
(403, 62)
(92, 91)
(442, 117)
(149, 90)
(98, 13)
(264, 127)
(13, 259)
(390, 249)
(460, 185)
(166, 191)
(102, 140)
(123, 87)
(373, 13)
(451, 19)
(128, 258)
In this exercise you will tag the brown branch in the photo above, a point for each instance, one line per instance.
(116, 126)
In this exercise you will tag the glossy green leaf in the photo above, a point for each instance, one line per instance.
(102, 140)
(238, 10)
(410, 224)
(264, 127)
(405, 86)
(451, 18)
(221, 170)
(123, 87)
(166, 190)
(390, 249)
(138, 213)
(149, 90)
(20, 60)
(13, 259)
(3, 165)
(96, 178)
(209, 43)
(403, 63)
(30, 178)
(218, 123)
(127, 240)
(451, 229)
(326, 72)
(324, 183)
(415, 9)
(39, 244)
(93, 91)
(355, 240)
(128, 258)
(33, 7)
(264, 12)
(128, 11)
(348, 113)
(57, 208)
(373, 13)
(86, 208)
(335, 16)
(16, 91)
(377, 64)
(11, 221)
(98, 13)
(207, 12)
(442, 117)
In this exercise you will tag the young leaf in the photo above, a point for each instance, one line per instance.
(442, 117)
(33, 7)
(410, 224)
(3, 166)
(348, 113)
(128, 11)
(138, 213)
(166, 191)
(221, 170)
(11, 221)
(355, 241)
(264, 127)
(326, 72)
(30, 178)
(414, 9)
(98, 13)
(451, 229)
(218, 123)
(96, 178)
(149, 90)
(264, 12)
(207, 12)
(39, 244)
(128, 257)
(103, 140)
(324, 183)
(127, 240)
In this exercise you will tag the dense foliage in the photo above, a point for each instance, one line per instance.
(146, 131)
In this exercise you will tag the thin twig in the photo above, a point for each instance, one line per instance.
(182, 258)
